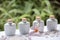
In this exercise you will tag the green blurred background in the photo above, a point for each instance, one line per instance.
(17, 9)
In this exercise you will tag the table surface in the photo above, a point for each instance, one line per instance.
(24, 37)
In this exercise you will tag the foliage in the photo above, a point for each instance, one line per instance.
(17, 9)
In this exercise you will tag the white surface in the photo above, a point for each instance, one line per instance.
(38, 38)
(45, 38)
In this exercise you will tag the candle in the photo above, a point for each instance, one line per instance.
(24, 26)
(9, 28)
(52, 23)
(39, 23)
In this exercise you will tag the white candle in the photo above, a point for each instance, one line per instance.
(10, 28)
(24, 27)
(52, 23)
(39, 24)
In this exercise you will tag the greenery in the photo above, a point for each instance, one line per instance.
(17, 9)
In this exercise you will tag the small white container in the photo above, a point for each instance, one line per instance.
(40, 24)
(10, 29)
(24, 27)
(52, 24)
